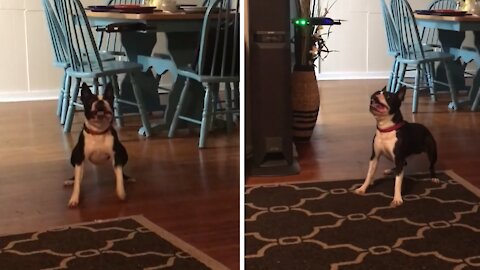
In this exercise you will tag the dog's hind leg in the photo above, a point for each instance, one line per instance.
(128, 179)
(69, 182)
(392, 170)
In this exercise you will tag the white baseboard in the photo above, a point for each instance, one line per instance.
(324, 76)
(36, 95)
(18, 96)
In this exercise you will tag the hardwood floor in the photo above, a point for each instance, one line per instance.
(341, 144)
(191, 193)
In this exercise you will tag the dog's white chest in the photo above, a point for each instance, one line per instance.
(99, 148)
(384, 143)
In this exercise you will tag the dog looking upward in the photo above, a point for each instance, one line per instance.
(396, 139)
(98, 142)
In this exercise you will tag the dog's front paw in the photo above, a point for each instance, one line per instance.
(130, 180)
(389, 171)
(121, 194)
(73, 202)
(397, 201)
(68, 183)
(361, 190)
(436, 180)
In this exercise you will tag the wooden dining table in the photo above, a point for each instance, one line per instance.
(182, 32)
(451, 34)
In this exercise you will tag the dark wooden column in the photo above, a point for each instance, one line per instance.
(269, 142)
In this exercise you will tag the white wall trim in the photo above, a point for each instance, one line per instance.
(36, 95)
(324, 76)
(17, 96)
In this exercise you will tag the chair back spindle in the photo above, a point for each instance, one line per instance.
(57, 36)
(390, 30)
(81, 45)
(407, 30)
(218, 52)
(110, 42)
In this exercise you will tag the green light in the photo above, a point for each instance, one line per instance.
(301, 22)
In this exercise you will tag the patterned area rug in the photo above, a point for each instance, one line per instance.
(121, 244)
(324, 225)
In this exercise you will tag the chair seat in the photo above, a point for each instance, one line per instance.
(109, 68)
(192, 74)
(430, 56)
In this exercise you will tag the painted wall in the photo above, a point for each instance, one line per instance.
(26, 70)
(360, 41)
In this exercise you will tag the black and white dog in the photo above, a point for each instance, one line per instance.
(396, 139)
(98, 142)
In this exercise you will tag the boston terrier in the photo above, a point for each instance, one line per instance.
(98, 142)
(396, 139)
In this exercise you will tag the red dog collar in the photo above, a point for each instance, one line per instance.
(392, 128)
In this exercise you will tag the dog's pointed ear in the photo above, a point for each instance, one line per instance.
(401, 93)
(384, 89)
(108, 94)
(86, 93)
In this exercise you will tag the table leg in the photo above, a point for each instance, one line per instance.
(452, 40)
(135, 44)
(183, 49)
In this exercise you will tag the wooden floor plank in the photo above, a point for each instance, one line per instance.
(191, 193)
(341, 144)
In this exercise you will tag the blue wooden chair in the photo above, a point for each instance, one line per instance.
(412, 52)
(217, 62)
(57, 38)
(85, 63)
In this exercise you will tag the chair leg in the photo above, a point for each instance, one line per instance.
(415, 89)
(216, 105)
(402, 69)
(61, 94)
(236, 95)
(141, 105)
(476, 101)
(104, 85)
(183, 94)
(431, 83)
(392, 79)
(117, 110)
(66, 99)
(71, 108)
(228, 109)
(207, 103)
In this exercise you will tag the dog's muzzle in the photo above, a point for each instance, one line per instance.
(377, 106)
(101, 111)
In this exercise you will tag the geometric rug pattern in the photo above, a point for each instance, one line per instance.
(324, 225)
(120, 244)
